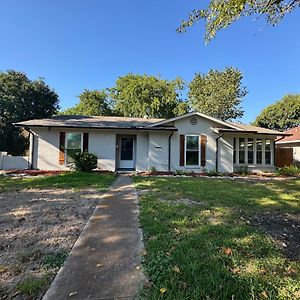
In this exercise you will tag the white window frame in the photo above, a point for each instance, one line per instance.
(66, 143)
(199, 155)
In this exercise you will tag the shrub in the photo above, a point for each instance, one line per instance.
(153, 170)
(288, 171)
(242, 170)
(85, 161)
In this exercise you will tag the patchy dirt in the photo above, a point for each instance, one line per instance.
(283, 228)
(38, 229)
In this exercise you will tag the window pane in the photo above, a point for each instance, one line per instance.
(74, 140)
(250, 151)
(250, 157)
(241, 144)
(192, 143)
(241, 157)
(250, 144)
(268, 158)
(258, 145)
(126, 148)
(268, 145)
(192, 158)
(259, 157)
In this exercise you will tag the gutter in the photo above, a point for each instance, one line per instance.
(217, 151)
(169, 154)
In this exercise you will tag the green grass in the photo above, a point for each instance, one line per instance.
(30, 286)
(54, 260)
(74, 180)
(209, 251)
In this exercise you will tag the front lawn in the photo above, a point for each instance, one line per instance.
(220, 239)
(40, 220)
(75, 180)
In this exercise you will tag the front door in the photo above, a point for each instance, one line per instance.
(127, 160)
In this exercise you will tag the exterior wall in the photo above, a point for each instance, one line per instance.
(225, 154)
(46, 148)
(158, 150)
(8, 162)
(142, 148)
(203, 126)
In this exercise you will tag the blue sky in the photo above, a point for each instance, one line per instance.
(78, 44)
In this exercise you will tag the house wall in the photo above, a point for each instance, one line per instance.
(9, 162)
(142, 148)
(46, 148)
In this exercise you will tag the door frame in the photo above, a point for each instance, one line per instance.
(118, 151)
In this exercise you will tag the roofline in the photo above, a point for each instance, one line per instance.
(94, 127)
(288, 142)
(192, 114)
(252, 131)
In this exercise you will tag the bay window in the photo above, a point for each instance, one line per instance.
(73, 145)
(192, 150)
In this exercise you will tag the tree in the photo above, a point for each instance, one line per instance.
(143, 95)
(92, 103)
(220, 14)
(218, 93)
(282, 115)
(22, 99)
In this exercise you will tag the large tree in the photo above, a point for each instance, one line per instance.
(221, 13)
(22, 99)
(218, 93)
(91, 103)
(282, 115)
(143, 95)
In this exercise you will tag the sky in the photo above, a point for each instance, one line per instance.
(87, 44)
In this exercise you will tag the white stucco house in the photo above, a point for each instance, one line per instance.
(190, 142)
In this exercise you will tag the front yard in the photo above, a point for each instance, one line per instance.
(40, 220)
(220, 238)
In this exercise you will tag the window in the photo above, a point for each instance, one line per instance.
(268, 152)
(241, 150)
(73, 145)
(250, 151)
(192, 150)
(259, 151)
(234, 150)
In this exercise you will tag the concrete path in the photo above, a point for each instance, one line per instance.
(104, 262)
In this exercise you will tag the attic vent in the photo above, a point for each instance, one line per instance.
(193, 121)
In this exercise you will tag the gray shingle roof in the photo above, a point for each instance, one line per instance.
(93, 122)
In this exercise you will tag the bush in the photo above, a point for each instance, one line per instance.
(242, 170)
(288, 171)
(85, 161)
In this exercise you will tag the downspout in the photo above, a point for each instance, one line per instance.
(169, 157)
(217, 151)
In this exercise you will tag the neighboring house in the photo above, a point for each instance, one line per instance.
(289, 147)
(190, 142)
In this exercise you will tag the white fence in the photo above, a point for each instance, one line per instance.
(8, 162)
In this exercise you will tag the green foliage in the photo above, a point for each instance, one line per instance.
(282, 115)
(91, 103)
(153, 170)
(22, 99)
(242, 170)
(218, 93)
(143, 95)
(54, 260)
(220, 14)
(85, 161)
(288, 171)
(32, 285)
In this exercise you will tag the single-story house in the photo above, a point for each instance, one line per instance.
(291, 142)
(189, 142)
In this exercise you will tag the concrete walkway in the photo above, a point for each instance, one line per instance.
(104, 262)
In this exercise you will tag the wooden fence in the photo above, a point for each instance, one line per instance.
(283, 157)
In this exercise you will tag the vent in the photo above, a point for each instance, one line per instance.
(193, 121)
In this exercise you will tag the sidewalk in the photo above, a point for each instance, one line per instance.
(103, 262)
